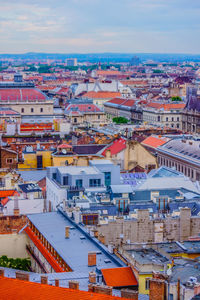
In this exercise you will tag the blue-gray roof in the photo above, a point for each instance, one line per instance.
(32, 175)
(75, 249)
(165, 172)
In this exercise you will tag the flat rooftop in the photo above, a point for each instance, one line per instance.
(74, 170)
(148, 256)
(73, 250)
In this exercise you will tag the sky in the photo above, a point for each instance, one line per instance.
(88, 26)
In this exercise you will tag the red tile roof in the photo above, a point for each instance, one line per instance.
(154, 142)
(83, 107)
(101, 95)
(167, 106)
(116, 101)
(129, 103)
(116, 147)
(64, 146)
(108, 73)
(13, 289)
(23, 94)
(49, 257)
(119, 277)
(9, 112)
(8, 193)
(4, 201)
(121, 101)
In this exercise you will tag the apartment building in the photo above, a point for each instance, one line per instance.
(183, 155)
(165, 115)
(27, 100)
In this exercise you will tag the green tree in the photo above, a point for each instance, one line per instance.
(120, 120)
(176, 98)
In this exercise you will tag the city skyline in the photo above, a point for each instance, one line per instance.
(100, 26)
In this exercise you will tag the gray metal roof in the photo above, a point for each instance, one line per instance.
(74, 170)
(159, 183)
(32, 175)
(75, 249)
(122, 188)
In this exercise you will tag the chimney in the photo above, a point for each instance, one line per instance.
(73, 284)
(157, 289)
(16, 206)
(44, 279)
(67, 232)
(103, 289)
(56, 282)
(22, 276)
(92, 259)
(129, 294)
(1, 272)
(92, 277)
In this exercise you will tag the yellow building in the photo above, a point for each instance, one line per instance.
(39, 159)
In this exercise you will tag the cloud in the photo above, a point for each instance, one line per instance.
(100, 25)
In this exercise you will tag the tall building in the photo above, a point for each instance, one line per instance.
(191, 113)
(71, 62)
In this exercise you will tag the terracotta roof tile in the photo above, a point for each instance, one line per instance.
(154, 142)
(116, 147)
(119, 277)
(101, 95)
(13, 289)
(7, 193)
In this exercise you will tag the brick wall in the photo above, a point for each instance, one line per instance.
(100, 289)
(8, 159)
(129, 294)
(9, 224)
(157, 289)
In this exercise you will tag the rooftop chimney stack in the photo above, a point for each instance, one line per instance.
(92, 277)
(73, 284)
(67, 232)
(92, 259)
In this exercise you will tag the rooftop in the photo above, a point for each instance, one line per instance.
(23, 290)
(119, 277)
(75, 249)
(186, 149)
(154, 141)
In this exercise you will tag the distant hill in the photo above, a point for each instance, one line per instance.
(105, 57)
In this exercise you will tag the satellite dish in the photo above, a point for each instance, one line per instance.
(169, 272)
(64, 151)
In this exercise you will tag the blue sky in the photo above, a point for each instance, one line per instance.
(82, 26)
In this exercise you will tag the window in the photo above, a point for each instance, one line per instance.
(41, 109)
(177, 119)
(166, 119)
(75, 120)
(54, 176)
(32, 109)
(95, 182)
(147, 284)
(172, 119)
(79, 183)
(9, 160)
(99, 116)
(22, 110)
(107, 178)
(65, 180)
(158, 118)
